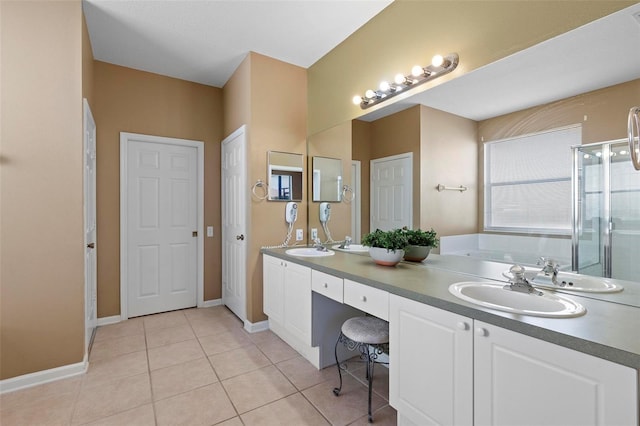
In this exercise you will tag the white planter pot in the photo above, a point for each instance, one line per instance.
(386, 258)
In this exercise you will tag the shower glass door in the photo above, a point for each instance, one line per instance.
(606, 229)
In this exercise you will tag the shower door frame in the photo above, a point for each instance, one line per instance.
(606, 219)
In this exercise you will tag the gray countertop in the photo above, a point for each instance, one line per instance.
(608, 330)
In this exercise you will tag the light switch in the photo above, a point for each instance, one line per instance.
(314, 233)
(299, 235)
(209, 231)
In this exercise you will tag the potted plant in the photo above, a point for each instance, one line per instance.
(386, 247)
(420, 244)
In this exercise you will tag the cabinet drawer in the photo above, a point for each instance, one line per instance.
(368, 299)
(327, 285)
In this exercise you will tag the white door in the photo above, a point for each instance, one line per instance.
(355, 203)
(161, 222)
(234, 223)
(392, 192)
(90, 256)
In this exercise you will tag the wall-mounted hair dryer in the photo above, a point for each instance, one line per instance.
(291, 212)
(325, 212)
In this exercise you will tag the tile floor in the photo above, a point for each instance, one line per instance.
(197, 367)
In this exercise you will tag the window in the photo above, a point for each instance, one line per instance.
(528, 182)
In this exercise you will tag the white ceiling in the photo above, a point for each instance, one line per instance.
(205, 40)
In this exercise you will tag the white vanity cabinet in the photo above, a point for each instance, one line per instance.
(449, 369)
(287, 296)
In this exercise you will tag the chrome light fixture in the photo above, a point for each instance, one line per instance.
(439, 66)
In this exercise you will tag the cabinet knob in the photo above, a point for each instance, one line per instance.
(462, 325)
(363, 298)
(482, 332)
(325, 285)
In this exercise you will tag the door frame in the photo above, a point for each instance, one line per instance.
(356, 203)
(125, 137)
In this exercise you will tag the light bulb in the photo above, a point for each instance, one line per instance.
(586, 156)
(384, 86)
(623, 152)
(437, 61)
(417, 71)
(399, 79)
(370, 94)
(356, 100)
(598, 154)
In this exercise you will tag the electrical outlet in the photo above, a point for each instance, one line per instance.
(299, 235)
(209, 231)
(314, 233)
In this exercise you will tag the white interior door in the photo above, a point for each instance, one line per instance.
(162, 223)
(234, 223)
(90, 256)
(392, 192)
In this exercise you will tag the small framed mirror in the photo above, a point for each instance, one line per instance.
(327, 179)
(285, 176)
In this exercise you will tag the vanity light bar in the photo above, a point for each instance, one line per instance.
(439, 66)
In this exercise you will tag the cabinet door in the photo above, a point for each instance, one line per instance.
(297, 301)
(431, 353)
(522, 380)
(273, 287)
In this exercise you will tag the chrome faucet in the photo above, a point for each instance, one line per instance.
(519, 282)
(318, 245)
(346, 243)
(549, 269)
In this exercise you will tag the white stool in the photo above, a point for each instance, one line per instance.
(362, 333)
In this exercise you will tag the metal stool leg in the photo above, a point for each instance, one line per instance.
(370, 364)
(336, 391)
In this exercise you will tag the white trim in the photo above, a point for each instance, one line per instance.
(254, 327)
(109, 320)
(44, 376)
(199, 145)
(211, 303)
(356, 182)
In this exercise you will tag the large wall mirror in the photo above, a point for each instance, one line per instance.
(285, 176)
(327, 179)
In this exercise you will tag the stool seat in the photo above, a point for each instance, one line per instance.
(369, 330)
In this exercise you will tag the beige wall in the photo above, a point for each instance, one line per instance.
(41, 249)
(332, 143)
(361, 150)
(606, 111)
(409, 32)
(127, 100)
(449, 156)
(275, 115)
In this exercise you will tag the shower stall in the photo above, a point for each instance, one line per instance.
(606, 211)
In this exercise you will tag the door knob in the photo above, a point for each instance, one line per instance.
(240, 237)
(91, 245)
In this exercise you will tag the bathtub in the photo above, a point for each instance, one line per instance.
(508, 249)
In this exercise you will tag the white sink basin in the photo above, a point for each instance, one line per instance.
(573, 282)
(353, 248)
(309, 252)
(495, 296)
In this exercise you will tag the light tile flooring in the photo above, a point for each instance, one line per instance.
(198, 367)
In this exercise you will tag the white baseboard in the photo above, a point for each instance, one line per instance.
(44, 376)
(109, 320)
(211, 303)
(254, 327)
